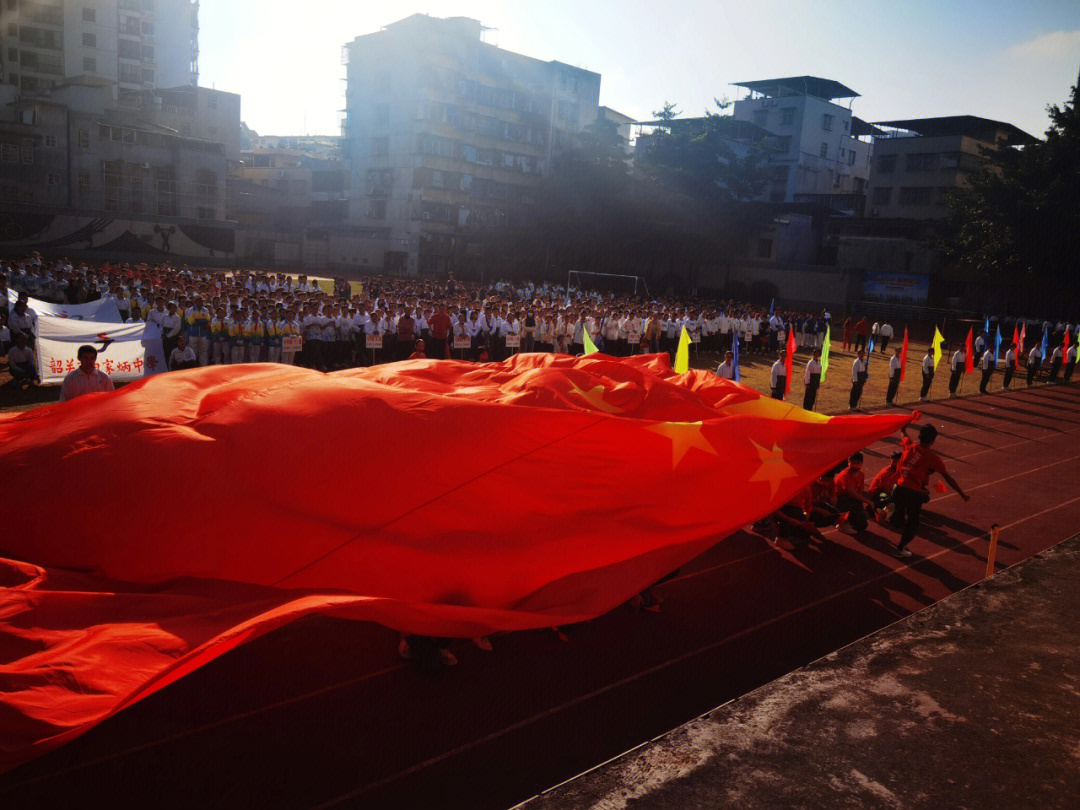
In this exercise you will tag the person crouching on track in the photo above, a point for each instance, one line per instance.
(882, 486)
(850, 497)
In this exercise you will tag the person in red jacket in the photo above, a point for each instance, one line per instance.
(850, 497)
(861, 331)
(917, 464)
(882, 486)
(418, 351)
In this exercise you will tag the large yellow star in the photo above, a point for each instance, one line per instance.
(683, 435)
(773, 467)
(595, 397)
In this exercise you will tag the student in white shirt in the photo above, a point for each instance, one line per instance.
(812, 380)
(1070, 362)
(927, 374)
(859, 376)
(1010, 367)
(778, 377)
(22, 362)
(1055, 364)
(183, 356)
(894, 376)
(957, 364)
(726, 370)
(986, 365)
(1034, 363)
(86, 379)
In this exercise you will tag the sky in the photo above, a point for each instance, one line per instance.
(913, 59)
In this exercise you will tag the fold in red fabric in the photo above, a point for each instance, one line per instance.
(156, 527)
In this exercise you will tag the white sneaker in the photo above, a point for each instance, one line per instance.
(901, 553)
(847, 528)
(482, 643)
(403, 649)
(890, 510)
(448, 658)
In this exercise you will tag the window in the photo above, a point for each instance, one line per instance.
(83, 138)
(851, 157)
(89, 40)
(824, 150)
(128, 48)
(377, 209)
(882, 196)
(885, 164)
(764, 248)
(89, 65)
(148, 53)
(9, 153)
(787, 116)
(380, 147)
(921, 162)
(211, 101)
(83, 180)
(13, 54)
(943, 195)
(50, 141)
(53, 179)
(783, 144)
(916, 195)
(26, 154)
(950, 161)
(112, 204)
(436, 179)
(827, 122)
(148, 75)
(89, 15)
(761, 117)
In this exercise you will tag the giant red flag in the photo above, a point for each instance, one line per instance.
(969, 350)
(157, 527)
(789, 360)
(903, 356)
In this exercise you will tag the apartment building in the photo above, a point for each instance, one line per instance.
(448, 137)
(919, 161)
(821, 152)
(138, 44)
(77, 149)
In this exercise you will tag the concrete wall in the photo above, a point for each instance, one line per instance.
(808, 286)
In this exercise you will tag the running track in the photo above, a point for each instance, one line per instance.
(323, 714)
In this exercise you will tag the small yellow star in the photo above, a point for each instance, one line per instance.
(683, 435)
(595, 397)
(773, 467)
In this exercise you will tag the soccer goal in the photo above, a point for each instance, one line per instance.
(605, 282)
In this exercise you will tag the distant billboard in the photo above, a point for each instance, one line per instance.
(897, 288)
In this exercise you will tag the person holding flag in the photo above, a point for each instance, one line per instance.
(1070, 360)
(1010, 367)
(778, 377)
(987, 365)
(726, 370)
(896, 368)
(958, 364)
(859, 376)
(1034, 363)
(1055, 364)
(929, 363)
(812, 378)
(735, 356)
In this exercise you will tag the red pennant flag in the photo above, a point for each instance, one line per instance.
(1066, 339)
(1016, 338)
(969, 350)
(789, 360)
(569, 485)
(903, 356)
(939, 485)
(1020, 343)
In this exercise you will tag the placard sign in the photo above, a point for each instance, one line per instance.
(462, 342)
(292, 343)
(373, 341)
(513, 341)
(695, 337)
(633, 337)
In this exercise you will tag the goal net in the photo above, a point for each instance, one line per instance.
(587, 282)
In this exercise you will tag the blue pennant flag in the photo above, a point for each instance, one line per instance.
(997, 346)
(772, 306)
(869, 351)
(735, 352)
(1045, 342)
(986, 328)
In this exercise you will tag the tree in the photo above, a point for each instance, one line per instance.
(1017, 227)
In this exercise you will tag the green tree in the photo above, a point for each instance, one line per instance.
(1017, 228)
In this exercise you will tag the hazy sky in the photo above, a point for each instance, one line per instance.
(910, 59)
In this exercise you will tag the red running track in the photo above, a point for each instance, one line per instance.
(323, 713)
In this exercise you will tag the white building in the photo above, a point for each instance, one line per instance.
(138, 44)
(822, 152)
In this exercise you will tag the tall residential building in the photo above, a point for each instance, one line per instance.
(449, 135)
(918, 161)
(822, 151)
(138, 44)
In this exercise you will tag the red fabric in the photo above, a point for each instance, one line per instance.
(916, 465)
(903, 356)
(969, 349)
(206, 507)
(1016, 341)
(789, 360)
(1020, 343)
(1066, 342)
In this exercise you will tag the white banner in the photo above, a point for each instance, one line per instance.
(103, 310)
(125, 351)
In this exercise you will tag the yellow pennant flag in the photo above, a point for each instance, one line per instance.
(938, 340)
(590, 347)
(682, 356)
(825, 352)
